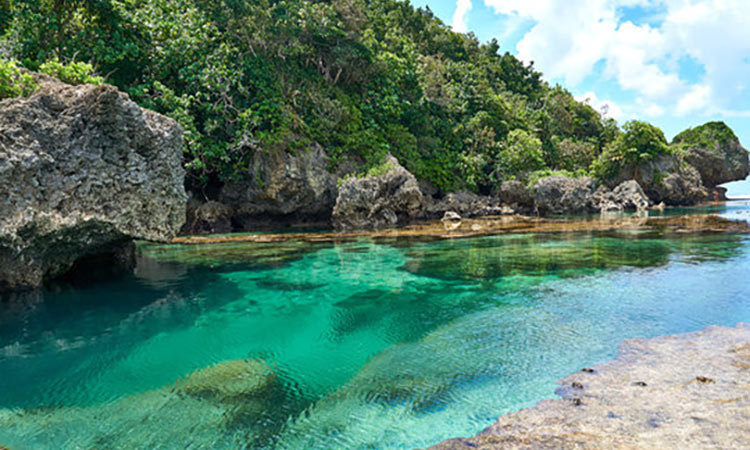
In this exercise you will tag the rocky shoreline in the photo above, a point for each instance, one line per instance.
(683, 391)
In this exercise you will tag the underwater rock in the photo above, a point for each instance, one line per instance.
(281, 186)
(695, 396)
(386, 200)
(228, 380)
(85, 171)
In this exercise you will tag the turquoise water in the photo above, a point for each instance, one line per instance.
(359, 344)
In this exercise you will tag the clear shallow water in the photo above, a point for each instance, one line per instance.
(361, 344)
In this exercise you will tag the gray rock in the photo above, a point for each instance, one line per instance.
(466, 204)
(676, 392)
(451, 216)
(207, 218)
(282, 187)
(715, 151)
(565, 195)
(84, 171)
(628, 195)
(390, 199)
(516, 195)
(668, 179)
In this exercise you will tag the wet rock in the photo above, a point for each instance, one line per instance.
(85, 171)
(715, 151)
(669, 412)
(451, 216)
(228, 380)
(210, 217)
(282, 187)
(565, 195)
(386, 200)
(466, 204)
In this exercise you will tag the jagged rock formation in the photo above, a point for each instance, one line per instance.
(466, 204)
(516, 195)
(676, 392)
(627, 196)
(668, 178)
(281, 187)
(386, 200)
(207, 218)
(84, 171)
(565, 195)
(715, 151)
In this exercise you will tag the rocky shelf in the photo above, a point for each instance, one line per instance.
(683, 391)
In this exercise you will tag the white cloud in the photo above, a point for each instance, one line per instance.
(569, 39)
(607, 108)
(460, 16)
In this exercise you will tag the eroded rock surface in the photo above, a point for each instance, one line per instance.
(677, 392)
(84, 171)
(715, 151)
(628, 195)
(565, 195)
(386, 200)
(282, 187)
(669, 179)
(466, 204)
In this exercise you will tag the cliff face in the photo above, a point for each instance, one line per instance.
(84, 171)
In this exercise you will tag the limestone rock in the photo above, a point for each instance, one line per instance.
(628, 195)
(516, 195)
(669, 179)
(465, 204)
(389, 199)
(280, 187)
(84, 171)
(207, 218)
(715, 151)
(565, 195)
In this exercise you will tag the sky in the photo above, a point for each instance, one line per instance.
(674, 63)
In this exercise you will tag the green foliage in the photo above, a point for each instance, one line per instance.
(534, 177)
(639, 143)
(710, 136)
(362, 78)
(13, 81)
(73, 73)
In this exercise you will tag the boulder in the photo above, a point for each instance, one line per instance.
(628, 195)
(715, 152)
(209, 217)
(565, 195)
(668, 178)
(84, 172)
(516, 195)
(282, 187)
(466, 204)
(389, 199)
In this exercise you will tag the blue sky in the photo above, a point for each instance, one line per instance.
(674, 63)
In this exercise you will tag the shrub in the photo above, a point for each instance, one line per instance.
(640, 142)
(72, 73)
(13, 81)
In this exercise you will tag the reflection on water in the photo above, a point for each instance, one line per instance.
(388, 343)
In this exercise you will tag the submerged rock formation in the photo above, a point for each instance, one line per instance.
(683, 391)
(84, 171)
(281, 187)
(378, 201)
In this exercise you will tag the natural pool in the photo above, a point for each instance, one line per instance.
(390, 343)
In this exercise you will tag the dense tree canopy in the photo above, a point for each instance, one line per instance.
(361, 77)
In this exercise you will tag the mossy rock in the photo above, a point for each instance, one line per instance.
(229, 380)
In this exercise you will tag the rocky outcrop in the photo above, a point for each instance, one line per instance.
(684, 391)
(84, 171)
(378, 201)
(516, 195)
(565, 195)
(210, 217)
(466, 204)
(715, 152)
(668, 178)
(627, 196)
(282, 187)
